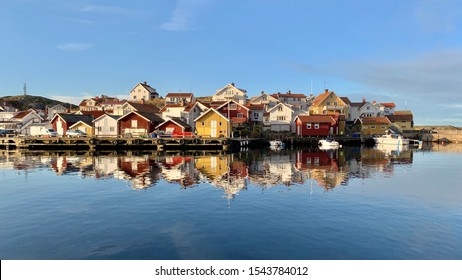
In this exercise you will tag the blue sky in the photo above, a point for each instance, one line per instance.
(407, 52)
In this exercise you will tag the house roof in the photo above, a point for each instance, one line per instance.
(288, 94)
(211, 110)
(95, 114)
(179, 94)
(388, 104)
(375, 120)
(72, 118)
(256, 107)
(232, 101)
(406, 112)
(172, 106)
(316, 118)
(280, 104)
(177, 121)
(403, 117)
(346, 100)
(22, 114)
(144, 107)
(115, 117)
(145, 86)
(146, 115)
(80, 122)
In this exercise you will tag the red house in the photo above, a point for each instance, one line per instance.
(138, 123)
(235, 112)
(315, 125)
(176, 128)
(62, 122)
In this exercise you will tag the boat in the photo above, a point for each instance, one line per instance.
(328, 143)
(391, 138)
(276, 144)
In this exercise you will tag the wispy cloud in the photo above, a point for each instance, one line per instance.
(185, 15)
(78, 47)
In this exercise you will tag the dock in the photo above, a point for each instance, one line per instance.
(113, 143)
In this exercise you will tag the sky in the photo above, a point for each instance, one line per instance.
(407, 52)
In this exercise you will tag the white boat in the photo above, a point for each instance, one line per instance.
(395, 139)
(328, 143)
(276, 144)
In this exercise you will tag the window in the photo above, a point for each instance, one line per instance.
(220, 123)
(335, 103)
(316, 125)
(382, 126)
(264, 98)
(373, 126)
(255, 115)
(203, 123)
(233, 106)
(111, 129)
(280, 108)
(240, 115)
(99, 128)
(328, 103)
(194, 110)
(308, 125)
(134, 96)
(281, 118)
(134, 123)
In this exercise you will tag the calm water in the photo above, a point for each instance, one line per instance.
(355, 203)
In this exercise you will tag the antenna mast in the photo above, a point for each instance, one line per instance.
(25, 89)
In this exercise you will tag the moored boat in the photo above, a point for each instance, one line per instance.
(328, 143)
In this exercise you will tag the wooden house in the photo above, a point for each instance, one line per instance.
(138, 123)
(212, 124)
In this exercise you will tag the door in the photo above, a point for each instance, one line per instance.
(213, 128)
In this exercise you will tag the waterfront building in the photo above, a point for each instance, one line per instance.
(280, 118)
(212, 124)
(329, 103)
(179, 98)
(374, 125)
(138, 123)
(62, 122)
(106, 125)
(316, 126)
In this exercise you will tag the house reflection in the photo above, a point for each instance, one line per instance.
(326, 167)
(232, 173)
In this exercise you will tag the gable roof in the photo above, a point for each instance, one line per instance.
(288, 94)
(211, 110)
(172, 106)
(177, 121)
(388, 104)
(24, 114)
(400, 117)
(375, 120)
(192, 105)
(146, 115)
(95, 114)
(144, 107)
(320, 98)
(145, 86)
(279, 104)
(316, 118)
(179, 94)
(72, 118)
(115, 117)
(81, 122)
(229, 101)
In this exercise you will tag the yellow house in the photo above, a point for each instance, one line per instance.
(329, 103)
(85, 127)
(212, 124)
(374, 125)
(213, 167)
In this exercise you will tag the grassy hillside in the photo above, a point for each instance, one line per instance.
(24, 102)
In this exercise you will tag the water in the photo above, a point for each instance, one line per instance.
(354, 203)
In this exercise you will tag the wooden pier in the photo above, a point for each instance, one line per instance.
(113, 143)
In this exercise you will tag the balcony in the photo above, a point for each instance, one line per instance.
(333, 108)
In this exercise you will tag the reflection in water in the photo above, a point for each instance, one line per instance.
(229, 172)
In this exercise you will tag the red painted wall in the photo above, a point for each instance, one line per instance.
(142, 123)
(323, 130)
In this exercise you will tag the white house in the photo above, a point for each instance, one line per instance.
(179, 98)
(264, 99)
(143, 91)
(280, 118)
(364, 109)
(299, 101)
(192, 112)
(230, 92)
(172, 111)
(106, 125)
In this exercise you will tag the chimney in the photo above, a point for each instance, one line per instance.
(232, 84)
(364, 100)
(262, 92)
(289, 92)
(326, 90)
(145, 83)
